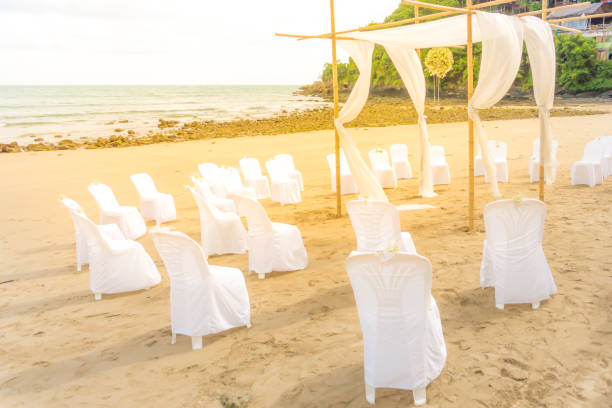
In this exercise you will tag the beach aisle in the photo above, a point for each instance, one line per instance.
(61, 348)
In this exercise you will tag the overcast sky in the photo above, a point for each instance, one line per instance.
(171, 41)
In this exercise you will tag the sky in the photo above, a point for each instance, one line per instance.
(103, 42)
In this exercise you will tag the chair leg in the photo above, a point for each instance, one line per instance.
(261, 275)
(535, 305)
(196, 342)
(500, 306)
(173, 341)
(97, 296)
(370, 394)
(420, 396)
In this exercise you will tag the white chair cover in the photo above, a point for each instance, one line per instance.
(230, 176)
(221, 232)
(403, 344)
(127, 218)
(223, 204)
(534, 161)
(399, 159)
(251, 172)
(287, 165)
(211, 174)
(153, 204)
(606, 143)
(589, 170)
(272, 246)
(285, 190)
(347, 181)
(377, 226)
(111, 231)
(513, 260)
(116, 266)
(204, 299)
(439, 166)
(499, 153)
(379, 160)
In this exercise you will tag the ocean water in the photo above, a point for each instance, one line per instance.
(78, 112)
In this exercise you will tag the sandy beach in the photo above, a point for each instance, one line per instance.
(60, 348)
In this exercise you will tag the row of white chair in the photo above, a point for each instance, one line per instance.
(286, 180)
(596, 163)
(388, 172)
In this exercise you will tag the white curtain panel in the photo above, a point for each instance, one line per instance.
(408, 64)
(541, 50)
(361, 52)
(502, 48)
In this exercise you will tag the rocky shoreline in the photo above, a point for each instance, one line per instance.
(378, 112)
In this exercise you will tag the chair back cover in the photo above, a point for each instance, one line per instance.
(403, 342)
(276, 171)
(211, 174)
(344, 167)
(208, 212)
(104, 197)
(399, 152)
(231, 179)
(144, 184)
(536, 149)
(437, 154)
(376, 224)
(96, 241)
(183, 258)
(499, 149)
(257, 218)
(201, 186)
(249, 166)
(379, 159)
(593, 151)
(285, 161)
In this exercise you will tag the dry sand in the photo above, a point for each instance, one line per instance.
(58, 347)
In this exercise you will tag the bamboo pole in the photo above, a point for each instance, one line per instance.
(470, 92)
(490, 4)
(336, 136)
(307, 37)
(550, 10)
(569, 30)
(544, 7)
(438, 7)
(416, 18)
(558, 20)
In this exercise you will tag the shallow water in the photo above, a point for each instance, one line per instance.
(28, 112)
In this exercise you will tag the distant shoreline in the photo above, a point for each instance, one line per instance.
(379, 112)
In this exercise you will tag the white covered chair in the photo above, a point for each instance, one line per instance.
(273, 246)
(440, 172)
(347, 180)
(534, 161)
(251, 172)
(112, 231)
(589, 170)
(153, 204)
(285, 189)
(204, 299)
(403, 343)
(606, 144)
(379, 160)
(223, 204)
(513, 260)
(116, 266)
(233, 183)
(127, 218)
(221, 232)
(399, 159)
(211, 174)
(377, 226)
(499, 154)
(287, 165)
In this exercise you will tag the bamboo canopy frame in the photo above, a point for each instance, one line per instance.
(469, 10)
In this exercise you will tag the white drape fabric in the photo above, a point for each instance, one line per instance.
(502, 48)
(361, 52)
(541, 50)
(408, 65)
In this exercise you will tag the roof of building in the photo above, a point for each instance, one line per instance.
(594, 8)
